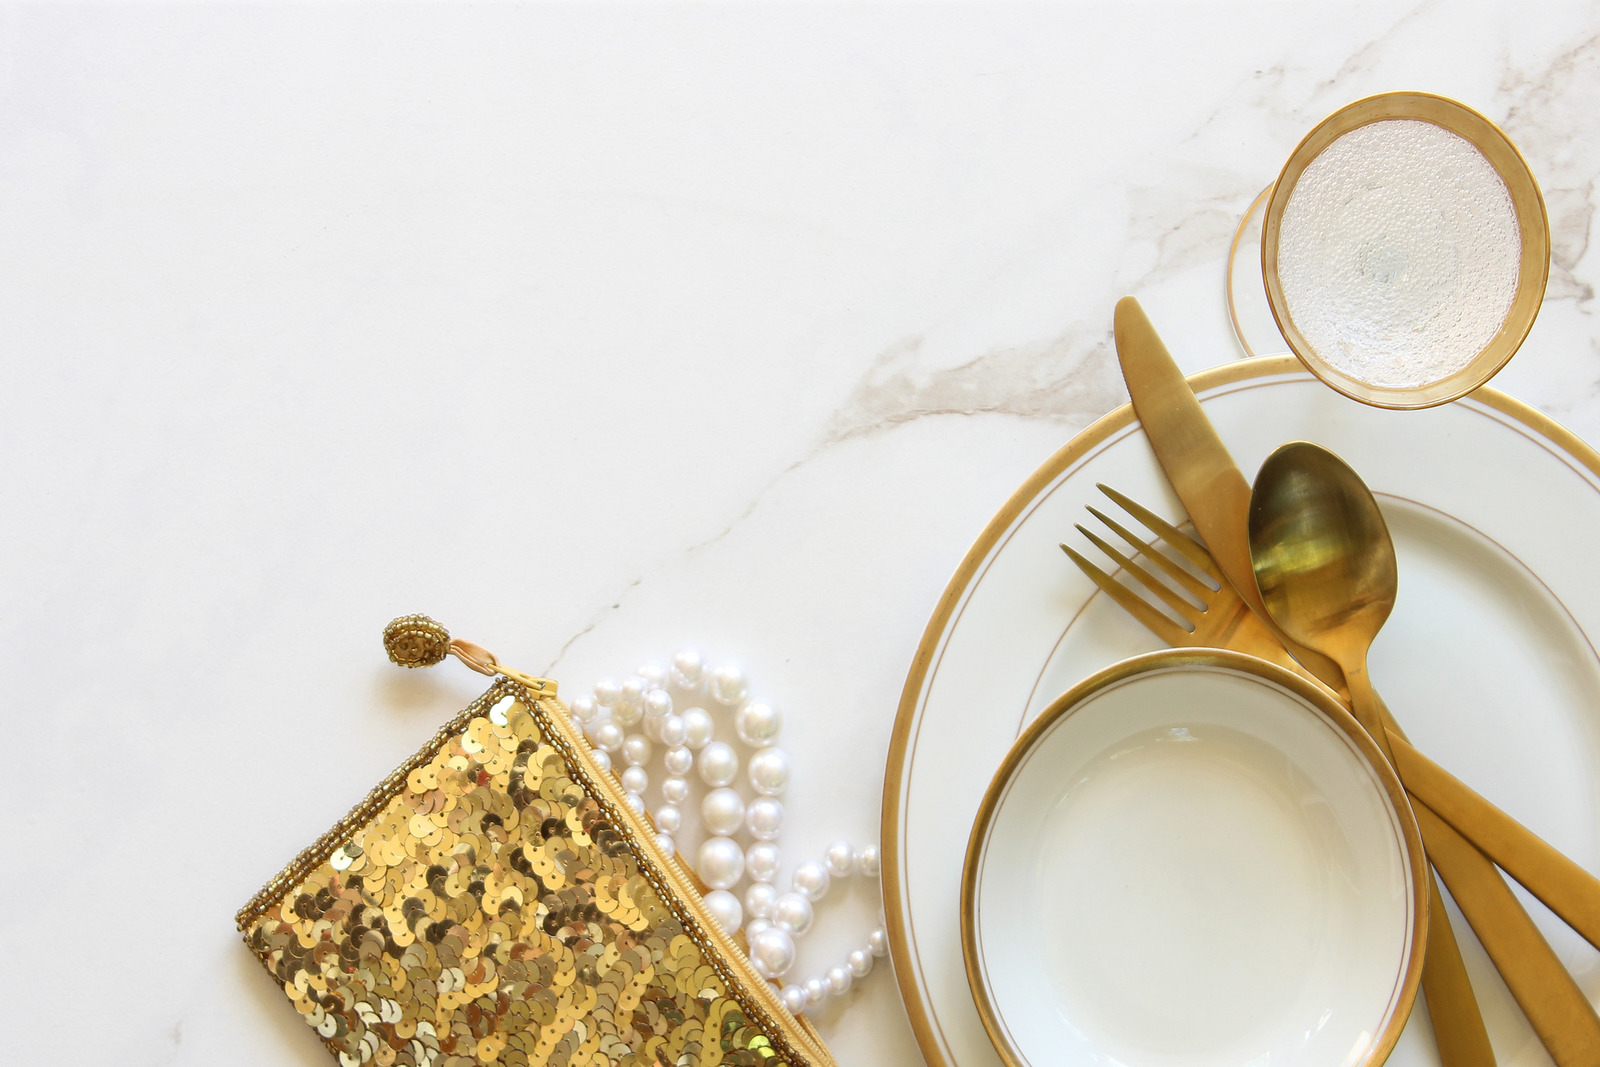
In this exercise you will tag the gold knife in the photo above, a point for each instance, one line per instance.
(1217, 498)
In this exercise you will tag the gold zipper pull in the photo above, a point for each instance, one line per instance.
(418, 641)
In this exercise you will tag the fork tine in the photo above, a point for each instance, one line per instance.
(1156, 586)
(1187, 546)
(1200, 590)
(1131, 602)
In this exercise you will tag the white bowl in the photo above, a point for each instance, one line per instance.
(1194, 857)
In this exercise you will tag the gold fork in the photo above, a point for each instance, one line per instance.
(1210, 613)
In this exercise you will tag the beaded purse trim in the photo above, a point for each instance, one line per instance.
(493, 900)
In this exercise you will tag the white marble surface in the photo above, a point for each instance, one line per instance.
(590, 331)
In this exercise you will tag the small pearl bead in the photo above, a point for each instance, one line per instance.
(721, 862)
(606, 691)
(582, 709)
(698, 728)
(668, 819)
(652, 728)
(719, 764)
(754, 927)
(811, 880)
(759, 899)
(860, 962)
(606, 736)
(758, 724)
(793, 912)
(724, 907)
(839, 981)
(631, 693)
(675, 790)
(794, 998)
(761, 860)
(654, 673)
(772, 952)
(670, 730)
(769, 771)
(816, 991)
(636, 750)
(627, 714)
(635, 801)
(635, 779)
(878, 942)
(839, 860)
(665, 843)
(722, 810)
(678, 761)
(764, 817)
(729, 685)
(602, 761)
(867, 860)
(657, 703)
(688, 669)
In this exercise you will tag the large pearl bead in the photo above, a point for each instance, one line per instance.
(839, 860)
(678, 761)
(721, 862)
(635, 801)
(878, 942)
(839, 981)
(688, 669)
(602, 760)
(635, 779)
(670, 730)
(722, 810)
(654, 674)
(811, 880)
(758, 724)
(724, 907)
(582, 709)
(666, 844)
(657, 702)
(729, 685)
(631, 693)
(860, 962)
(668, 819)
(769, 771)
(867, 860)
(698, 728)
(627, 714)
(764, 817)
(719, 764)
(761, 860)
(606, 692)
(794, 998)
(759, 899)
(636, 750)
(675, 790)
(816, 991)
(793, 912)
(606, 736)
(772, 951)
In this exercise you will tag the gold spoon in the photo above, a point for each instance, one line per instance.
(1325, 566)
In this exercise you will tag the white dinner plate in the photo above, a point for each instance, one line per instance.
(1487, 659)
(1194, 857)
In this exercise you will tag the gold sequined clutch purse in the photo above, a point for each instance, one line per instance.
(495, 901)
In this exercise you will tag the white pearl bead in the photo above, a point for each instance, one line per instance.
(794, 998)
(729, 685)
(758, 724)
(721, 862)
(678, 761)
(878, 942)
(688, 669)
(606, 736)
(754, 927)
(761, 860)
(670, 730)
(635, 779)
(602, 761)
(636, 750)
(582, 709)
(772, 951)
(627, 714)
(793, 912)
(860, 962)
(635, 801)
(675, 790)
(725, 908)
(719, 764)
(669, 820)
(722, 810)
(839, 860)
(764, 817)
(759, 899)
(698, 728)
(811, 880)
(631, 693)
(654, 674)
(606, 691)
(657, 702)
(816, 991)
(839, 981)
(769, 771)
(867, 860)
(666, 844)
(651, 728)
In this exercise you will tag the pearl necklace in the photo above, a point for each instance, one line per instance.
(626, 720)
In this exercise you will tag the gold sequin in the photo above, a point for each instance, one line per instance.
(483, 907)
